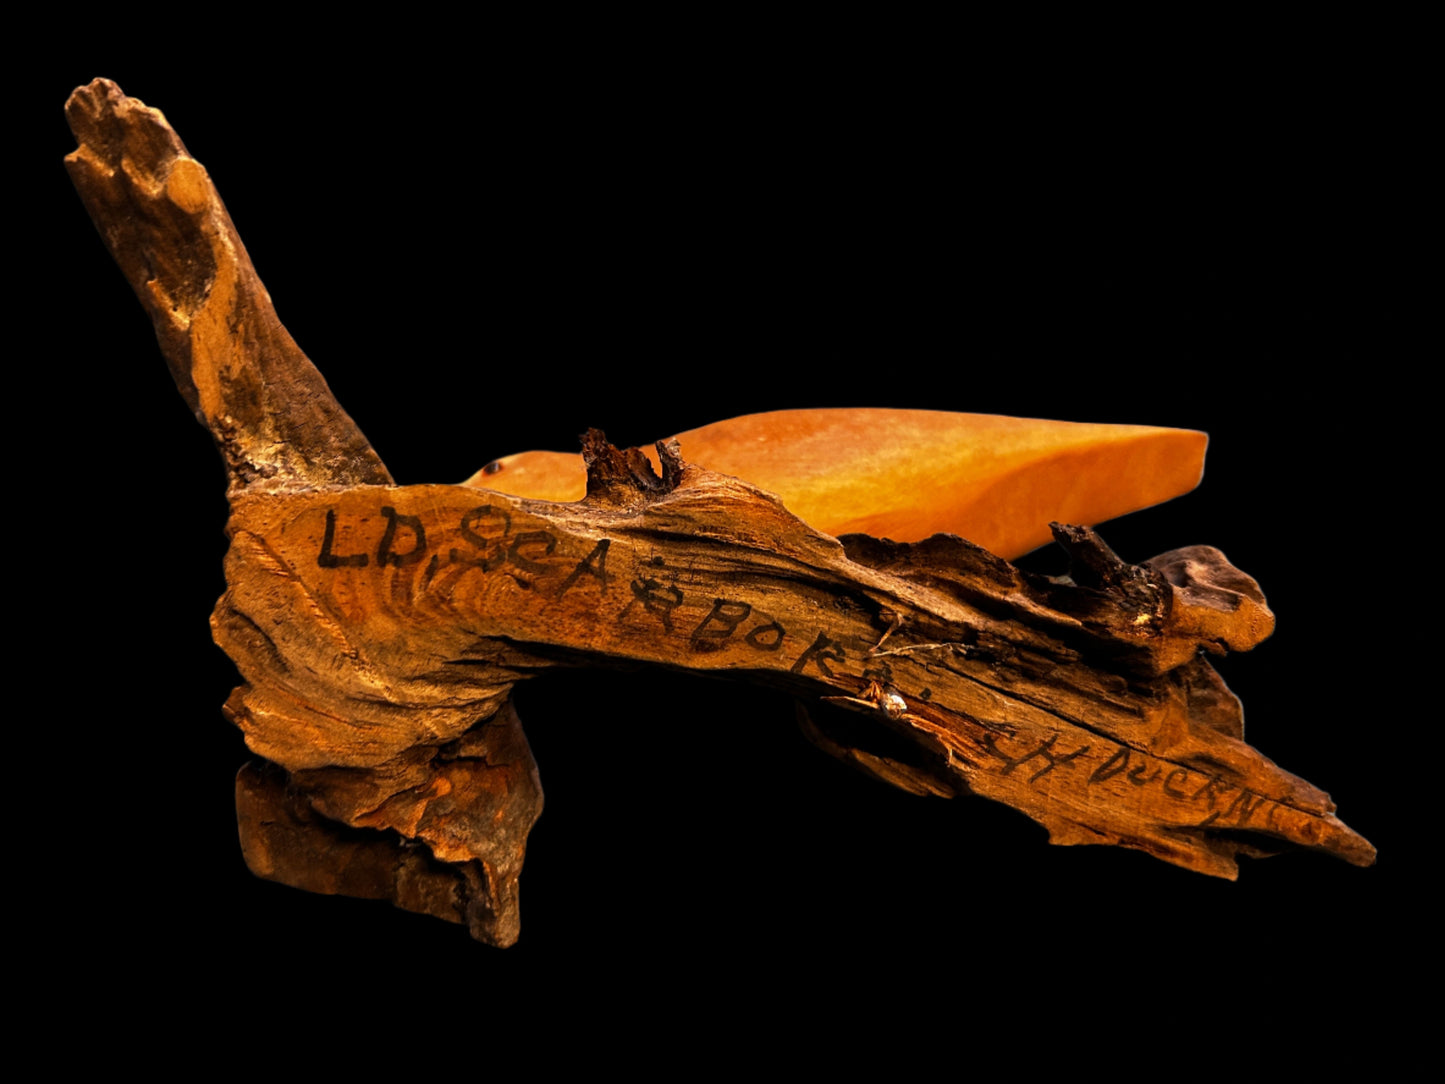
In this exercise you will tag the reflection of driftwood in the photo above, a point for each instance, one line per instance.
(379, 629)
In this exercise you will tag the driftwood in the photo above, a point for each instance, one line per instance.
(379, 630)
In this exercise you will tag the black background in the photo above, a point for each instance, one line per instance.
(482, 264)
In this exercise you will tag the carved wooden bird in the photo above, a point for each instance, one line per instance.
(380, 629)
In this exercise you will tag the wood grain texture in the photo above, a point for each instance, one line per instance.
(538, 557)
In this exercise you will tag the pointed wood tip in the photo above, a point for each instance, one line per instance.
(273, 417)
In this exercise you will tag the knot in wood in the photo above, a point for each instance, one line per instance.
(615, 476)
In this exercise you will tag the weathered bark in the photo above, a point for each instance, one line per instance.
(380, 630)
(271, 413)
